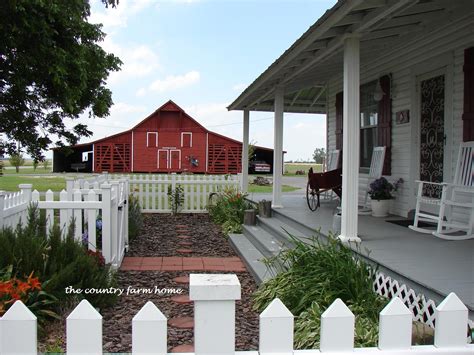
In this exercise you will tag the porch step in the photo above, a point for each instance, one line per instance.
(264, 241)
(251, 256)
(281, 230)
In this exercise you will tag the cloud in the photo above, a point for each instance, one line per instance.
(117, 17)
(239, 87)
(139, 60)
(174, 82)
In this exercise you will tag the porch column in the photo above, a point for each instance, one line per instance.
(278, 148)
(351, 138)
(245, 154)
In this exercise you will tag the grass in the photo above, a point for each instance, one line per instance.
(40, 183)
(26, 170)
(268, 189)
(291, 168)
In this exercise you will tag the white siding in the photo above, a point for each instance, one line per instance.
(437, 50)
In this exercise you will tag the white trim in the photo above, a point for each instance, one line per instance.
(207, 152)
(156, 139)
(167, 158)
(93, 159)
(131, 170)
(170, 157)
(191, 140)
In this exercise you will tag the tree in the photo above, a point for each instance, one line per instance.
(52, 69)
(16, 160)
(319, 155)
(252, 149)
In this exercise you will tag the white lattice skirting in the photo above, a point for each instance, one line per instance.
(423, 309)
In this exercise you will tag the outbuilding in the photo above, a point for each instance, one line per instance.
(167, 141)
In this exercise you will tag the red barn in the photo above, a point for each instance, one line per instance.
(169, 140)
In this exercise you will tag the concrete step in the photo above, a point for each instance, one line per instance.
(265, 242)
(296, 225)
(251, 256)
(282, 231)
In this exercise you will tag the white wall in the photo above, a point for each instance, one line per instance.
(442, 49)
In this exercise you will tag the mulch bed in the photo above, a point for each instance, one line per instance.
(159, 238)
(159, 232)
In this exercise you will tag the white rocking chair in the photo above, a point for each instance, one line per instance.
(375, 172)
(457, 196)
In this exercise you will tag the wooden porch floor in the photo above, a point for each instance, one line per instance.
(440, 266)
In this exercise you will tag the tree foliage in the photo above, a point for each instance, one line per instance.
(52, 70)
(319, 155)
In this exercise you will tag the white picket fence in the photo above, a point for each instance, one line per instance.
(152, 190)
(83, 202)
(214, 299)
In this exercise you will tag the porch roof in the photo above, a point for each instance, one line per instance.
(384, 27)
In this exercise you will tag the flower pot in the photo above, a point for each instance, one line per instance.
(380, 208)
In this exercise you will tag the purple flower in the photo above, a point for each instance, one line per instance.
(98, 224)
(85, 238)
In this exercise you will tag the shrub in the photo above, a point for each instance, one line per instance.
(135, 217)
(227, 209)
(313, 276)
(176, 198)
(58, 261)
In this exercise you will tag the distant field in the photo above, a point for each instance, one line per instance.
(291, 168)
(40, 183)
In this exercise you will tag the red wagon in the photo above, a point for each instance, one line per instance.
(322, 182)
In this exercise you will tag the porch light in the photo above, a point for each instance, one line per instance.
(378, 93)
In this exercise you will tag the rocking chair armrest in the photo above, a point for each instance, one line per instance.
(421, 182)
(459, 188)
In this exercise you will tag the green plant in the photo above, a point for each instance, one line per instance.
(176, 198)
(313, 275)
(227, 209)
(16, 160)
(58, 261)
(135, 217)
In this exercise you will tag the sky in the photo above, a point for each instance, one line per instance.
(202, 54)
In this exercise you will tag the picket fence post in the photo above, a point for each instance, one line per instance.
(149, 331)
(77, 197)
(126, 193)
(91, 222)
(395, 326)
(84, 330)
(106, 222)
(276, 329)
(18, 331)
(214, 322)
(114, 220)
(63, 214)
(451, 320)
(49, 196)
(2, 208)
(337, 328)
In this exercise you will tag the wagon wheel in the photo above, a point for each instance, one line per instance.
(312, 197)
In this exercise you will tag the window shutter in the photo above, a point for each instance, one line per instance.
(468, 116)
(339, 122)
(384, 124)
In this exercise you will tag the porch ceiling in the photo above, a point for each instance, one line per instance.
(384, 27)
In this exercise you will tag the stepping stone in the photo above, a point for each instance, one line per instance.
(186, 244)
(184, 251)
(182, 279)
(185, 348)
(181, 322)
(181, 299)
(184, 237)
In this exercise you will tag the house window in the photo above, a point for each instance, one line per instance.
(186, 139)
(368, 123)
(152, 139)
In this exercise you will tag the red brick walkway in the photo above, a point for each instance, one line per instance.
(177, 263)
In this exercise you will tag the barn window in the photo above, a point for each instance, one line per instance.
(186, 139)
(152, 139)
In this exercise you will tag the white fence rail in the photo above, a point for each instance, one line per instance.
(83, 203)
(152, 190)
(214, 299)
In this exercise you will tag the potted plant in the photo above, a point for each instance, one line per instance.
(380, 194)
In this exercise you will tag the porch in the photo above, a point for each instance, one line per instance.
(425, 264)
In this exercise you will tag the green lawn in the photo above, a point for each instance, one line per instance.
(291, 168)
(264, 189)
(40, 183)
(26, 170)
